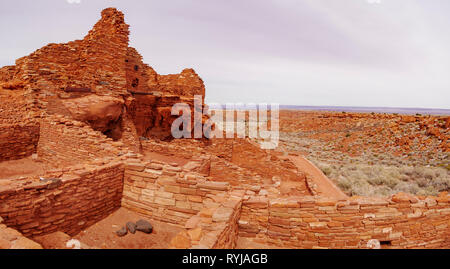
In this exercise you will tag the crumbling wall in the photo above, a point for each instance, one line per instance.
(6, 74)
(94, 64)
(153, 95)
(129, 136)
(222, 170)
(216, 157)
(152, 113)
(187, 83)
(403, 221)
(139, 75)
(69, 203)
(142, 78)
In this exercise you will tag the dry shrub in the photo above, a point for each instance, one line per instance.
(384, 180)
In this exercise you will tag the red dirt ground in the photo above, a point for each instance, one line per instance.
(102, 234)
(20, 168)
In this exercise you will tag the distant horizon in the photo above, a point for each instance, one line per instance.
(356, 109)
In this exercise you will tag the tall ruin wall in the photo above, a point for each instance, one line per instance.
(62, 78)
(95, 63)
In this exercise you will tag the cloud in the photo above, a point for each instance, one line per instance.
(306, 52)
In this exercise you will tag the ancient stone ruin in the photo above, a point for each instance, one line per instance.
(85, 132)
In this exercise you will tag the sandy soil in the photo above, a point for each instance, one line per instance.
(102, 234)
(57, 240)
(20, 168)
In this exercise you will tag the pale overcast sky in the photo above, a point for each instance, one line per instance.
(296, 52)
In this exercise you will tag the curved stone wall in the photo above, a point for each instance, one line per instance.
(403, 221)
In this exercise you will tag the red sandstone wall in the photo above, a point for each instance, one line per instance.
(139, 75)
(143, 78)
(19, 130)
(99, 65)
(152, 114)
(6, 74)
(310, 223)
(154, 95)
(212, 228)
(130, 137)
(69, 204)
(249, 155)
(97, 62)
(238, 177)
(18, 141)
(187, 83)
(182, 148)
(66, 142)
(228, 236)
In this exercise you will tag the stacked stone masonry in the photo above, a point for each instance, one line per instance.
(403, 221)
(71, 202)
(18, 141)
(67, 142)
(168, 193)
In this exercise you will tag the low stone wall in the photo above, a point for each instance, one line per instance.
(18, 140)
(168, 193)
(65, 142)
(69, 203)
(403, 221)
(227, 236)
(212, 228)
